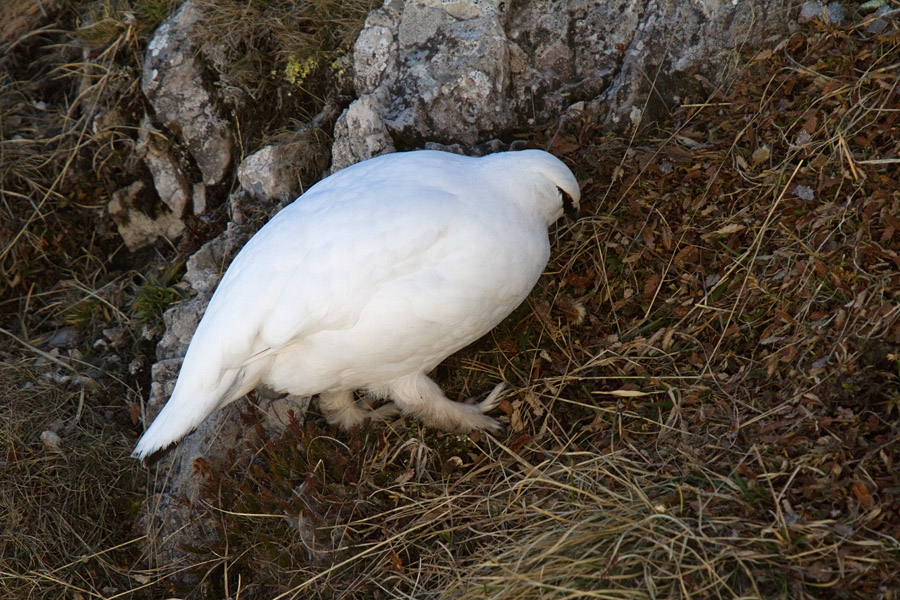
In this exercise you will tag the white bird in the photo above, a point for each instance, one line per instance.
(368, 281)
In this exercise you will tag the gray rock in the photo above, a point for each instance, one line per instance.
(833, 12)
(881, 25)
(279, 172)
(171, 184)
(275, 174)
(269, 173)
(164, 372)
(360, 132)
(67, 337)
(426, 69)
(453, 73)
(198, 198)
(471, 70)
(173, 82)
(630, 54)
(206, 266)
(137, 228)
(202, 273)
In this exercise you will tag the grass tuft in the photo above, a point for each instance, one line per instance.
(283, 55)
(157, 294)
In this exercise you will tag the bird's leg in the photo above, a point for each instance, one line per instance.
(421, 397)
(340, 408)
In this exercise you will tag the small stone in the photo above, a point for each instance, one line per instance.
(52, 442)
(804, 192)
(64, 338)
(136, 228)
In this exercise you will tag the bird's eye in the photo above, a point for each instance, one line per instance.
(568, 205)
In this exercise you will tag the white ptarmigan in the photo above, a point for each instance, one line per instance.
(368, 281)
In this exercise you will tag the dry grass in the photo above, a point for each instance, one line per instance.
(69, 492)
(705, 386)
(70, 495)
(64, 95)
(282, 58)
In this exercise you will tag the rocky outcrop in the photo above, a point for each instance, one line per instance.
(461, 72)
(185, 143)
(173, 82)
(470, 70)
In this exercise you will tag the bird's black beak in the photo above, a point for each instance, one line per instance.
(569, 208)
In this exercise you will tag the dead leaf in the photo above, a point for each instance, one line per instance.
(519, 443)
(516, 420)
(863, 495)
(820, 269)
(688, 254)
(650, 286)
(667, 237)
(537, 408)
(564, 145)
(763, 54)
(404, 476)
(397, 564)
(580, 281)
(785, 317)
(668, 338)
(809, 126)
(723, 231)
(787, 354)
(134, 411)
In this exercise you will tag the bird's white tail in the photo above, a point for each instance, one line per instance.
(186, 409)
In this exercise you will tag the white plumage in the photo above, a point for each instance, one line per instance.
(368, 281)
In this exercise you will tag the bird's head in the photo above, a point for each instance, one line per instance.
(541, 180)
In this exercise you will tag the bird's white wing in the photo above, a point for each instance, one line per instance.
(337, 279)
(310, 270)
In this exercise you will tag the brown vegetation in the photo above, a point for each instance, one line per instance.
(705, 386)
